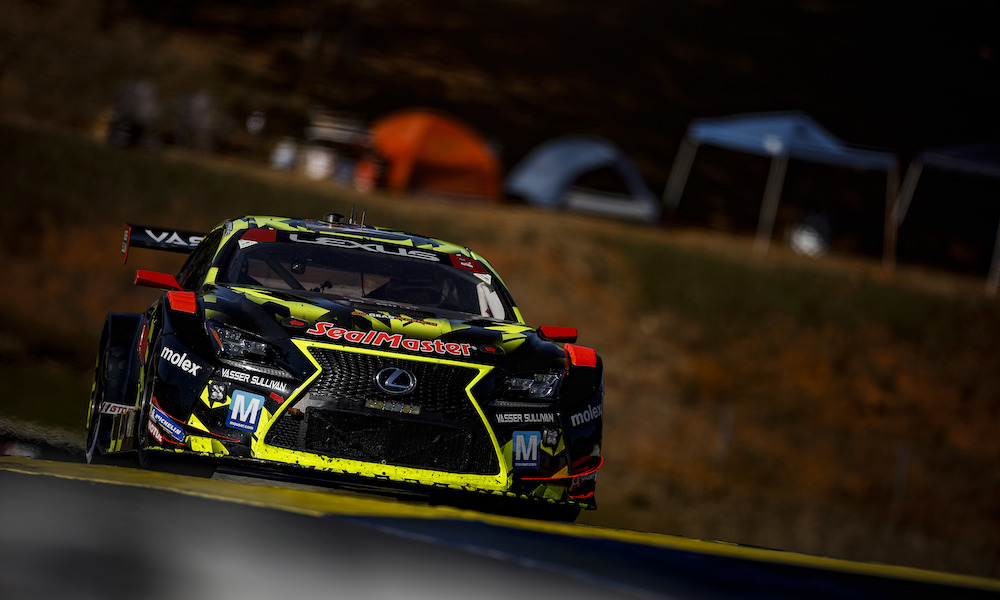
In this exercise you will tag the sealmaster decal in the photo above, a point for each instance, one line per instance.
(392, 340)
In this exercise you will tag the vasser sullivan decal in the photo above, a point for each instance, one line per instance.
(543, 417)
(392, 340)
(252, 379)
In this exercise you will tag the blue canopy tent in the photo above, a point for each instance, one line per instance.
(547, 175)
(781, 136)
(980, 160)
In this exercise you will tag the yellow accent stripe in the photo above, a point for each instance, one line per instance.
(498, 482)
(336, 502)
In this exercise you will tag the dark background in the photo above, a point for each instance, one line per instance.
(902, 76)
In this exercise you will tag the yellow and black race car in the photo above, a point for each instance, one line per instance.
(331, 348)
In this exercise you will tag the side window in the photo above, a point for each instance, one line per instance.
(192, 274)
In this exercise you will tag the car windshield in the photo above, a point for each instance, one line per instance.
(379, 273)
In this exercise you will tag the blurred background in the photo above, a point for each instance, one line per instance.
(810, 398)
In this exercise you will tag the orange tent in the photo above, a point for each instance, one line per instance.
(430, 151)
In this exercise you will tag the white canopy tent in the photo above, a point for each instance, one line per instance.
(781, 136)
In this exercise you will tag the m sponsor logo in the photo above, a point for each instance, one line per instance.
(181, 361)
(586, 415)
(525, 449)
(244, 411)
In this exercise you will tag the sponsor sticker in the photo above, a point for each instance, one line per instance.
(392, 340)
(538, 417)
(172, 428)
(254, 379)
(399, 407)
(217, 392)
(179, 360)
(174, 238)
(370, 247)
(525, 447)
(244, 411)
(154, 431)
(110, 408)
(586, 415)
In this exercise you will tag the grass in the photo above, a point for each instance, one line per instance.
(736, 296)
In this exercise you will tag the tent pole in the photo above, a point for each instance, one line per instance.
(891, 228)
(679, 172)
(769, 207)
(994, 277)
(906, 191)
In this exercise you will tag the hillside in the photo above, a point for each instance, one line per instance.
(810, 405)
(903, 76)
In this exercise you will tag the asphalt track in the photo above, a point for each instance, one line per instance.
(71, 530)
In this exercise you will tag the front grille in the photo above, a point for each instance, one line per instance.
(447, 434)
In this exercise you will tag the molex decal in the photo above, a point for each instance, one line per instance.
(181, 361)
(586, 415)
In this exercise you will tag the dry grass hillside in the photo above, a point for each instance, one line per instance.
(812, 405)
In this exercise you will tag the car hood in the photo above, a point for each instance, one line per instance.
(280, 315)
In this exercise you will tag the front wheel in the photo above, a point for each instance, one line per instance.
(109, 375)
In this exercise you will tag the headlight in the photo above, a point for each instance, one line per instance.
(233, 343)
(540, 385)
(245, 351)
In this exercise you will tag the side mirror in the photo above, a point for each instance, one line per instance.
(564, 335)
(153, 279)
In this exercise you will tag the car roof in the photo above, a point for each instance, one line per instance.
(342, 229)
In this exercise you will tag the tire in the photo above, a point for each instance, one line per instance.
(109, 375)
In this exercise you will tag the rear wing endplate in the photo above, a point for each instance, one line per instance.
(158, 238)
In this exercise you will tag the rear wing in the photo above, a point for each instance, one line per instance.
(158, 238)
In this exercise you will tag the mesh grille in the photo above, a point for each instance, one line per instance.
(446, 435)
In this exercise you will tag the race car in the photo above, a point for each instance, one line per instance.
(335, 349)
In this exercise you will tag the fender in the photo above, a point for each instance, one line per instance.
(116, 382)
(121, 332)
